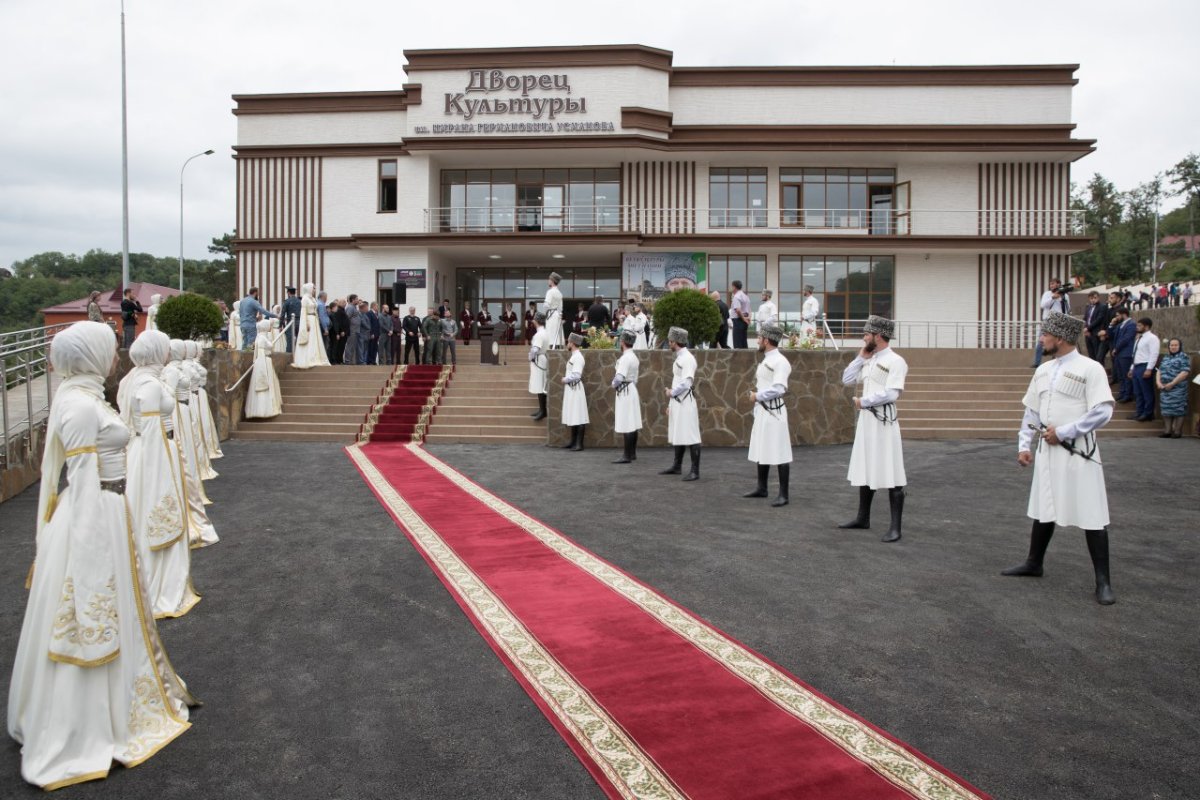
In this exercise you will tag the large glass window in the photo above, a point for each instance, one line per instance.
(581, 199)
(837, 197)
(750, 270)
(848, 287)
(737, 197)
(493, 288)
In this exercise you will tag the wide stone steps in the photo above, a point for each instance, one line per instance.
(488, 405)
(324, 404)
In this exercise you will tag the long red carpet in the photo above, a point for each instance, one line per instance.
(400, 416)
(654, 701)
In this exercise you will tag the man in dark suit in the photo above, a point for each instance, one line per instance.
(376, 328)
(339, 326)
(291, 313)
(598, 315)
(364, 331)
(1095, 319)
(723, 331)
(1123, 334)
(412, 334)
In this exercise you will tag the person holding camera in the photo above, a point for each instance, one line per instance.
(1054, 300)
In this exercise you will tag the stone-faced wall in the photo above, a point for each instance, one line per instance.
(820, 409)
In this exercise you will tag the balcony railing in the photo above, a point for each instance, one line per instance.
(805, 222)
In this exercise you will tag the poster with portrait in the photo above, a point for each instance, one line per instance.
(648, 276)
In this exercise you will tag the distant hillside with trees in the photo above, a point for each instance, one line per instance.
(1123, 224)
(47, 279)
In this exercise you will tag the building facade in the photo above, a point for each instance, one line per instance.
(929, 194)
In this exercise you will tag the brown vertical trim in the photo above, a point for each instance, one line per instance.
(694, 196)
(320, 197)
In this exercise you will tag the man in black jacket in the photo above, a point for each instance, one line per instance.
(412, 334)
(1096, 317)
(339, 329)
(291, 313)
(130, 308)
(598, 315)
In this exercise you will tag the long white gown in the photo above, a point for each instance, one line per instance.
(201, 532)
(91, 682)
(263, 400)
(152, 312)
(157, 504)
(309, 349)
(280, 345)
(235, 327)
(202, 407)
(198, 454)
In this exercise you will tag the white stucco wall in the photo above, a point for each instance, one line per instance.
(944, 287)
(354, 271)
(871, 105)
(362, 127)
(349, 202)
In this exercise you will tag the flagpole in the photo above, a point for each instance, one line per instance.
(124, 165)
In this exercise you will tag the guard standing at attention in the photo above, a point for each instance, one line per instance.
(539, 378)
(1068, 400)
(877, 460)
(574, 405)
(628, 406)
(553, 311)
(683, 415)
(770, 439)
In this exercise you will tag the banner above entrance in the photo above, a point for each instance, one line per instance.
(648, 276)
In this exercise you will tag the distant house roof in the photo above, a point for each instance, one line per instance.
(1190, 243)
(110, 302)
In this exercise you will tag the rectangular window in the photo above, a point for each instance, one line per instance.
(737, 197)
(837, 197)
(578, 199)
(849, 288)
(387, 186)
(750, 270)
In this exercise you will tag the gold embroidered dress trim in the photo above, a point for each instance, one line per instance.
(887, 758)
(78, 451)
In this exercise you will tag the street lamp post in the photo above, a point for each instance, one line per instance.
(181, 169)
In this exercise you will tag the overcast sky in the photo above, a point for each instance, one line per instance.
(60, 140)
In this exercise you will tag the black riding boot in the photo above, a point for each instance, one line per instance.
(784, 470)
(694, 473)
(863, 520)
(1097, 542)
(677, 467)
(633, 446)
(577, 440)
(896, 501)
(574, 437)
(626, 454)
(541, 412)
(1039, 540)
(761, 490)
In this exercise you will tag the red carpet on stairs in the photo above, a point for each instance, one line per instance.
(653, 700)
(403, 411)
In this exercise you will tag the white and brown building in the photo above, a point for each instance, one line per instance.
(930, 194)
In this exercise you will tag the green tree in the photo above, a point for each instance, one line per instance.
(1103, 208)
(1141, 208)
(1185, 178)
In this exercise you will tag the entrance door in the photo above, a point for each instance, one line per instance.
(552, 207)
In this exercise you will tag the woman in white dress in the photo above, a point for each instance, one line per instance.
(179, 376)
(157, 504)
(309, 350)
(280, 341)
(235, 326)
(152, 312)
(200, 530)
(201, 406)
(264, 399)
(92, 683)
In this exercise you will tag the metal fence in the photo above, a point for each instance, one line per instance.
(26, 383)
(951, 334)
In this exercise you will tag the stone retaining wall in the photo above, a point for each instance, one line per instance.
(820, 409)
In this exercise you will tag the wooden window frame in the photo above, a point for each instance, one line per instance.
(379, 190)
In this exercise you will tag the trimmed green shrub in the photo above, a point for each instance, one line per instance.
(690, 309)
(189, 316)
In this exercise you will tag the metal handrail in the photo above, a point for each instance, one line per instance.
(24, 359)
(817, 221)
(950, 334)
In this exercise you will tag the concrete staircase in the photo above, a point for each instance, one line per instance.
(976, 394)
(322, 404)
(485, 404)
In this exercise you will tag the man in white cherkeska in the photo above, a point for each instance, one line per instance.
(683, 416)
(574, 405)
(1068, 400)
(627, 409)
(877, 460)
(770, 439)
(553, 310)
(538, 375)
(767, 312)
(810, 311)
